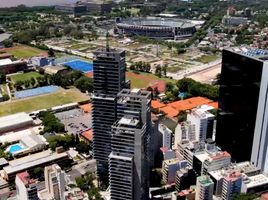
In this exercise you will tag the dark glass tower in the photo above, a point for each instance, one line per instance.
(240, 83)
(109, 78)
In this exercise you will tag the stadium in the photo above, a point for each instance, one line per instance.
(156, 28)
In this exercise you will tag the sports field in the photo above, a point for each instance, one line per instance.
(23, 51)
(25, 76)
(42, 102)
(143, 80)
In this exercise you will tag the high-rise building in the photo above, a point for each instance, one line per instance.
(165, 133)
(129, 160)
(204, 188)
(55, 182)
(242, 120)
(108, 79)
(25, 187)
(232, 184)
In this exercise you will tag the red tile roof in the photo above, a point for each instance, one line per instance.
(169, 111)
(189, 103)
(157, 104)
(86, 108)
(88, 135)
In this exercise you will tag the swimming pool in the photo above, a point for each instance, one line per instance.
(15, 148)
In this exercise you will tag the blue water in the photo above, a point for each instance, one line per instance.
(14, 148)
(80, 65)
(36, 91)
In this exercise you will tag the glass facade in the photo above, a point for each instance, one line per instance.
(238, 103)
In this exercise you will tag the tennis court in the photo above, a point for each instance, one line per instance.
(36, 91)
(80, 65)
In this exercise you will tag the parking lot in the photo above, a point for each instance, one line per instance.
(76, 120)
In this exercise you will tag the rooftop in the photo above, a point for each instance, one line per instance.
(257, 180)
(32, 160)
(88, 135)
(157, 104)
(5, 61)
(4, 36)
(18, 118)
(204, 180)
(25, 178)
(170, 111)
(86, 108)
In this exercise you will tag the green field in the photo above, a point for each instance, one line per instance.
(23, 51)
(25, 76)
(206, 58)
(143, 80)
(42, 102)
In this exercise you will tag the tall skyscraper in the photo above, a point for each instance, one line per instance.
(204, 188)
(130, 157)
(55, 182)
(108, 79)
(243, 116)
(25, 187)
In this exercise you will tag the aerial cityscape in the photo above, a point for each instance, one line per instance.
(134, 100)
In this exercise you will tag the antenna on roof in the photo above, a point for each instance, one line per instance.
(107, 42)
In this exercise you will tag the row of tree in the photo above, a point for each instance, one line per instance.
(141, 67)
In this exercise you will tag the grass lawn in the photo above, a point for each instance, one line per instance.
(42, 102)
(206, 58)
(25, 76)
(79, 46)
(23, 51)
(143, 80)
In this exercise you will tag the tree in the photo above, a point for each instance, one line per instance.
(84, 84)
(2, 77)
(8, 43)
(158, 71)
(51, 53)
(164, 69)
(244, 197)
(5, 97)
(82, 147)
(38, 173)
(18, 85)
(32, 81)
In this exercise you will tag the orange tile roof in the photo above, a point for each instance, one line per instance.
(157, 104)
(214, 104)
(170, 112)
(88, 135)
(189, 103)
(86, 108)
(89, 74)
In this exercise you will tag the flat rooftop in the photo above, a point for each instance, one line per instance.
(18, 118)
(32, 160)
(256, 180)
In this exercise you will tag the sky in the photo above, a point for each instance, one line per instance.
(10, 3)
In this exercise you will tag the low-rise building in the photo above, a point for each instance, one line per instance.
(8, 66)
(41, 159)
(97, 6)
(255, 184)
(39, 61)
(55, 69)
(72, 8)
(185, 177)
(15, 121)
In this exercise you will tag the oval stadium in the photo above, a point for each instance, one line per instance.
(156, 28)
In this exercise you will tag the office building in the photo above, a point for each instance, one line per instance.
(72, 8)
(25, 187)
(243, 115)
(109, 78)
(232, 184)
(204, 188)
(255, 184)
(130, 157)
(97, 6)
(55, 182)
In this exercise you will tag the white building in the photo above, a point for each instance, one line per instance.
(253, 184)
(166, 135)
(204, 188)
(54, 182)
(170, 167)
(25, 187)
(184, 131)
(232, 184)
(16, 121)
(203, 122)
(205, 162)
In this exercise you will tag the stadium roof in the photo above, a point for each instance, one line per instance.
(157, 22)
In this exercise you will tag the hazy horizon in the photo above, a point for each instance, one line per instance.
(12, 3)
